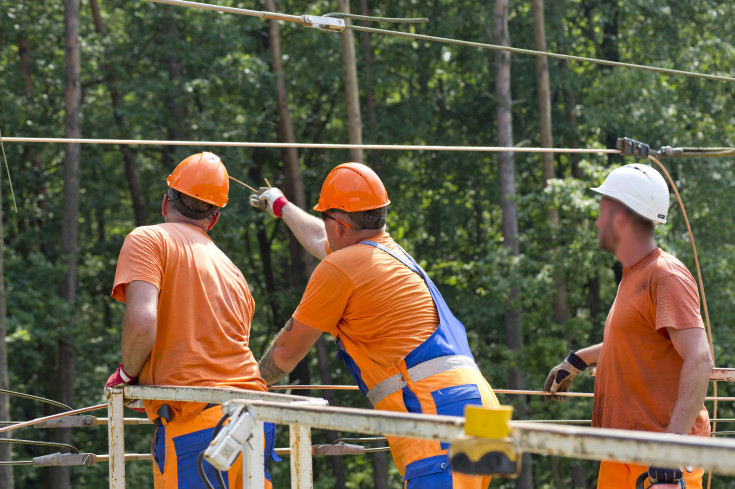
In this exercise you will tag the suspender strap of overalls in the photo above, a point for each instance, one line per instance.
(427, 368)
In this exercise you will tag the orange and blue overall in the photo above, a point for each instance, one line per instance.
(177, 444)
(438, 377)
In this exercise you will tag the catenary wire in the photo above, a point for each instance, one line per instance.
(444, 40)
(533, 52)
(370, 18)
(266, 144)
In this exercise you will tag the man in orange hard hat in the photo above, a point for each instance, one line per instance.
(187, 322)
(398, 338)
(654, 363)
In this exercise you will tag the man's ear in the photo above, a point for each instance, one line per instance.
(213, 220)
(341, 230)
(164, 205)
(620, 219)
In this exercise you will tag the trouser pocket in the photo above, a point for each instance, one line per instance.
(428, 473)
(451, 401)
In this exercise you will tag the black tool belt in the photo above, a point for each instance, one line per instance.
(164, 413)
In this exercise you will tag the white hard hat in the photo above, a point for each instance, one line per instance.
(639, 187)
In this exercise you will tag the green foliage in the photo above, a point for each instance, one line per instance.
(190, 74)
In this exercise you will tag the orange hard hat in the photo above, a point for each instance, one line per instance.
(352, 187)
(202, 176)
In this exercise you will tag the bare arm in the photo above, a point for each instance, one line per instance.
(308, 229)
(590, 354)
(291, 345)
(692, 346)
(139, 325)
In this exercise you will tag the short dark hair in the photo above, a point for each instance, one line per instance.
(370, 219)
(640, 223)
(191, 207)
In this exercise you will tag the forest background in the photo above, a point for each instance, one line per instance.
(509, 238)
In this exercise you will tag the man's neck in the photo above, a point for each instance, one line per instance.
(179, 219)
(362, 235)
(631, 252)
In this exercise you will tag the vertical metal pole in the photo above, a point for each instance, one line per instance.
(301, 469)
(253, 460)
(116, 435)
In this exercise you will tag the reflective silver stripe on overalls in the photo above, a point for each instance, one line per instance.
(419, 372)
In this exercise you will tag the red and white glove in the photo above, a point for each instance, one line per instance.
(270, 200)
(120, 377)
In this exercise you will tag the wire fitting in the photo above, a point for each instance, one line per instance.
(64, 460)
(323, 23)
(637, 149)
(631, 147)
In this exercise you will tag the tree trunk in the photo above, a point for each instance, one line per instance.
(303, 262)
(547, 141)
(570, 104)
(506, 176)
(542, 84)
(116, 99)
(176, 109)
(61, 366)
(354, 120)
(6, 471)
(372, 116)
(25, 64)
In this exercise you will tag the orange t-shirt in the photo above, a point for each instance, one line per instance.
(204, 311)
(371, 301)
(638, 369)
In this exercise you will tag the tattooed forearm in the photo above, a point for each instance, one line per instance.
(289, 324)
(268, 369)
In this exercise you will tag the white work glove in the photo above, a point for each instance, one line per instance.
(560, 378)
(270, 200)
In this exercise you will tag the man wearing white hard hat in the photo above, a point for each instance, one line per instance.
(654, 362)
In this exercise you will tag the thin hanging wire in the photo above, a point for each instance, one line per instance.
(36, 398)
(7, 169)
(39, 443)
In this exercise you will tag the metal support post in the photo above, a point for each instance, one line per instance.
(253, 460)
(301, 468)
(116, 436)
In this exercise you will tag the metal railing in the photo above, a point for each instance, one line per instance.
(304, 413)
